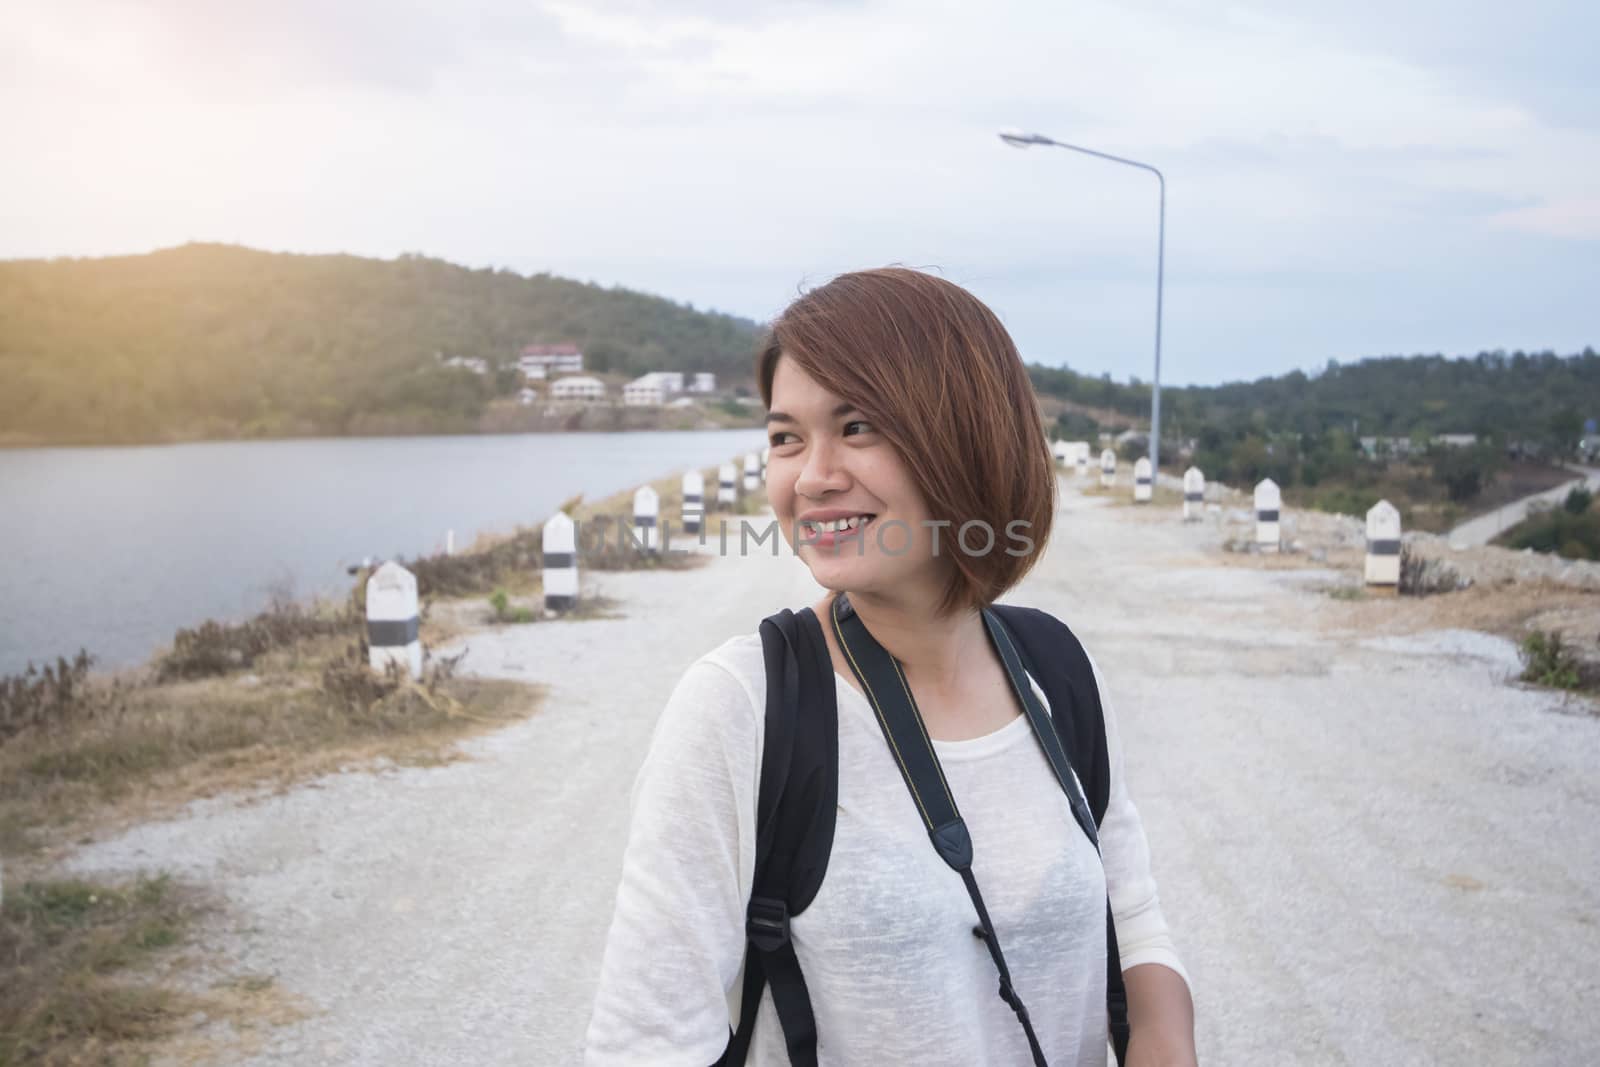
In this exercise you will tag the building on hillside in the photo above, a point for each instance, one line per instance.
(704, 382)
(527, 396)
(542, 361)
(471, 363)
(1386, 446)
(1456, 440)
(644, 392)
(578, 389)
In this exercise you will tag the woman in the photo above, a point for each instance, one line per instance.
(899, 412)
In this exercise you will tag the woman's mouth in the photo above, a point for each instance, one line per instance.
(833, 531)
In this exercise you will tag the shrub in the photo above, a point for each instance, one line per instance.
(1559, 529)
(353, 684)
(56, 694)
(1425, 577)
(1578, 500)
(1546, 660)
(500, 601)
(216, 648)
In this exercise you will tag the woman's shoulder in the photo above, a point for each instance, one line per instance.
(739, 656)
(728, 681)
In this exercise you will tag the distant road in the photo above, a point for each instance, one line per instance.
(1484, 528)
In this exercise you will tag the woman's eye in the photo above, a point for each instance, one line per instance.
(864, 426)
(777, 438)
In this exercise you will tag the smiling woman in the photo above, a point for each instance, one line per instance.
(780, 902)
(939, 414)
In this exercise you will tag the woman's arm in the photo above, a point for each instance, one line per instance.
(1160, 1009)
(1160, 1017)
(676, 943)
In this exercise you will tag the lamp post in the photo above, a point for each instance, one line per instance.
(1018, 139)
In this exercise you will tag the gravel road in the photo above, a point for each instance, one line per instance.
(1372, 847)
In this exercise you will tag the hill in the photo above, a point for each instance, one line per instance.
(1539, 399)
(219, 341)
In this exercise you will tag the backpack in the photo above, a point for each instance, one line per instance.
(798, 799)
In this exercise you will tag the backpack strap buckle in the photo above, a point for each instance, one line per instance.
(767, 923)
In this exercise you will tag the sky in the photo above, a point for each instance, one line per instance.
(1343, 179)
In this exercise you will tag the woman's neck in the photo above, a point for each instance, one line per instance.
(933, 649)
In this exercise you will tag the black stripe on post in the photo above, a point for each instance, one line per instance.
(555, 561)
(1383, 548)
(391, 633)
(1193, 498)
(1144, 481)
(691, 498)
(644, 520)
(1267, 516)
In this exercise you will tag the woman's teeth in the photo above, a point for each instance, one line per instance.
(854, 522)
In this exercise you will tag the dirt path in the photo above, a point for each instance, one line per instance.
(1372, 849)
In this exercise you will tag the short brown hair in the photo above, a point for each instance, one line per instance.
(936, 373)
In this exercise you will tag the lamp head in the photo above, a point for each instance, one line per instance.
(1020, 139)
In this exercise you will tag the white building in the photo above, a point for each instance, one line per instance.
(645, 392)
(704, 382)
(540, 361)
(471, 363)
(671, 380)
(527, 396)
(578, 389)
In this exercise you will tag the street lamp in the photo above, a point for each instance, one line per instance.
(1019, 139)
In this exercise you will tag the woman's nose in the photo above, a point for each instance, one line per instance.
(821, 472)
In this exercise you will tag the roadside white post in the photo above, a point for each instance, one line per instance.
(1383, 546)
(392, 620)
(727, 484)
(694, 501)
(1058, 449)
(1108, 469)
(1194, 494)
(560, 549)
(449, 542)
(1268, 502)
(752, 472)
(646, 512)
(1141, 480)
(1081, 460)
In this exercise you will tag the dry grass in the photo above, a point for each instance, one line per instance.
(96, 972)
(75, 958)
(301, 712)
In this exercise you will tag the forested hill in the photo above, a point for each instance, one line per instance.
(1537, 397)
(224, 341)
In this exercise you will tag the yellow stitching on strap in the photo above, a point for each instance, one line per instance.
(917, 714)
(861, 676)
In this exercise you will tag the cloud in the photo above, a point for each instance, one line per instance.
(720, 152)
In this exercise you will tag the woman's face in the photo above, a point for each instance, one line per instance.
(829, 464)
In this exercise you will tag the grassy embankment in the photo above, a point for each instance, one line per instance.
(279, 698)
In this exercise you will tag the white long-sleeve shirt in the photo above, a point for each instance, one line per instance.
(894, 972)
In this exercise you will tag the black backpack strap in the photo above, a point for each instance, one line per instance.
(1050, 652)
(794, 828)
(1053, 654)
(886, 690)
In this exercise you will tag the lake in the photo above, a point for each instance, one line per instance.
(114, 549)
